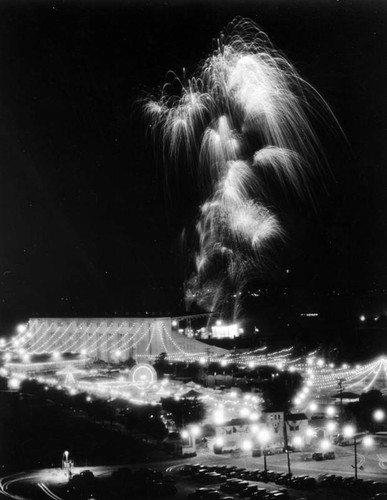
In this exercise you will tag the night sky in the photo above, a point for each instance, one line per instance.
(87, 225)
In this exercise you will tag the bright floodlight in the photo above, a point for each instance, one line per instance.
(310, 432)
(185, 434)
(219, 441)
(247, 445)
(83, 352)
(244, 412)
(325, 444)
(330, 411)
(218, 417)
(313, 406)
(379, 415)
(362, 318)
(263, 436)
(254, 429)
(297, 401)
(331, 426)
(253, 417)
(195, 430)
(348, 431)
(297, 441)
(368, 441)
(56, 355)
(174, 323)
(218, 322)
(14, 383)
(320, 362)
(251, 364)
(21, 328)
(117, 353)
(202, 361)
(223, 362)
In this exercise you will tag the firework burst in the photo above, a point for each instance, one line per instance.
(243, 116)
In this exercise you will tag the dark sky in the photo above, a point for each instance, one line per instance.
(86, 224)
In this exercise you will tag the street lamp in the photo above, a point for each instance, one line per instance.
(263, 438)
(349, 432)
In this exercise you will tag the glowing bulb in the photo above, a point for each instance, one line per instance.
(313, 406)
(325, 444)
(21, 328)
(219, 441)
(195, 430)
(244, 412)
(368, 441)
(247, 445)
(348, 431)
(219, 417)
(330, 411)
(379, 415)
(263, 436)
(14, 383)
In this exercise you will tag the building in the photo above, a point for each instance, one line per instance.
(112, 339)
(287, 426)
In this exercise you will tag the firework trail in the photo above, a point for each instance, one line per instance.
(243, 117)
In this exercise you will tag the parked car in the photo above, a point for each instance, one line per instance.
(248, 491)
(318, 457)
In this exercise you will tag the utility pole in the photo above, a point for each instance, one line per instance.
(286, 444)
(340, 384)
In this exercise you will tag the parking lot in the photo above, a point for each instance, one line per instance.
(226, 482)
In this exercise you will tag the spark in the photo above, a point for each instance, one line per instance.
(244, 116)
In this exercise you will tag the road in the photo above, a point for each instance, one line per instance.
(371, 464)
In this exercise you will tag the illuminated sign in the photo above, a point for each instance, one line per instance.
(225, 331)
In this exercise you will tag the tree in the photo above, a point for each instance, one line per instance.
(364, 408)
(184, 411)
(161, 364)
(279, 391)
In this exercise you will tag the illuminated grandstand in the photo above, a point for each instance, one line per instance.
(111, 339)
